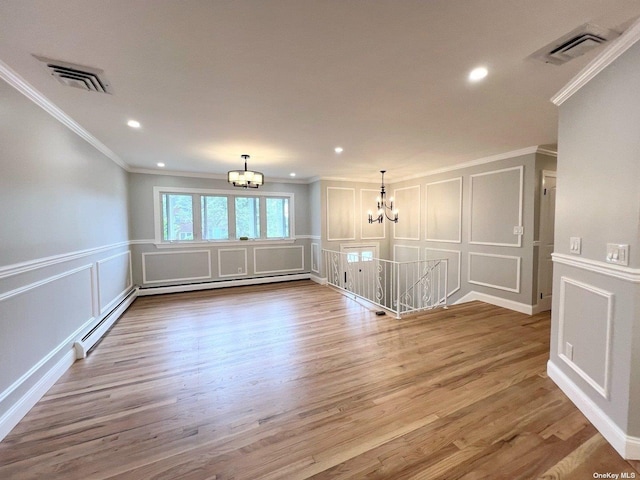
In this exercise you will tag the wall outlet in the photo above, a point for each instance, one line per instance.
(618, 253)
(239, 269)
(575, 245)
(568, 351)
(518, 230)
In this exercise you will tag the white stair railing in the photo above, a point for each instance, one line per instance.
(400, 287)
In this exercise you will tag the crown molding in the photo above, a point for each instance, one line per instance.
(212, 176)
(20, 84)
(602, 61)
(546, 151)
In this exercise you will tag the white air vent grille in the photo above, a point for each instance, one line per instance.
(78, 76)
(574, 44)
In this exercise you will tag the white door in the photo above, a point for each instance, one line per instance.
(547, 222)
(360, 270)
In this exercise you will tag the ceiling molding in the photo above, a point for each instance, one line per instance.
(20, 84)
(546, 151)
(212, 176)
(602, 61)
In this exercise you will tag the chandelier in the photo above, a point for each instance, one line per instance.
(384, 208)
(245, 178)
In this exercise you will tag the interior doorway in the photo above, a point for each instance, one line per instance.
(547, 223)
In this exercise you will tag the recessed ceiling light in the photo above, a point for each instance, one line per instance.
(133, 123)
(160, 164)
(339, 149)
(478, 74)
(292, 174)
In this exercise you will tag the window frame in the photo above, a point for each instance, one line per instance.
(197, 194)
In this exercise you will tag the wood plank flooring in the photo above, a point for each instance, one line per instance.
(295, 381)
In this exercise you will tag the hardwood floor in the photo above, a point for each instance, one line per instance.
(295, 381)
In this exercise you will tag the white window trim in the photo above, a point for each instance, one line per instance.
(157, 216)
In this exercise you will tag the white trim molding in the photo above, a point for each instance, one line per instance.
(603, 390)
(602, 61)
(426, 221)
(353, 206)
(114, 301)
(245, 269)
(620, 272)
(395, 255)
(180, 279)
(25, 88)
(497, 301)
(418, 216)
(284, 270)
(515, 289)
(24, 267)
(627, 446)
(520, 206)
(315, 258)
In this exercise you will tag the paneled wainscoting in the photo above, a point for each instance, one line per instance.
(295, 381)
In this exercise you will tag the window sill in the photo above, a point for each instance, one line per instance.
(224, 243)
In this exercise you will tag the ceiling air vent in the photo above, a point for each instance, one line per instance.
(78, 76)
(574, 44)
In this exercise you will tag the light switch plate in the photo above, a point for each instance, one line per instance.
(575, 245)
(518, 230)
(618, 253)
(568, 351)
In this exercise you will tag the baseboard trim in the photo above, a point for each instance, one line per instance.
(627, 446)
(17, 412)
(26, 402)
(191, 287)
(317, 279)
(497, 301)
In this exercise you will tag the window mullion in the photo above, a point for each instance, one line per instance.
(196, 202)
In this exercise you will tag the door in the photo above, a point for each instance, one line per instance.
(547, 222)
(360, 270)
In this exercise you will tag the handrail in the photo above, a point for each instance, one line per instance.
(399, 287)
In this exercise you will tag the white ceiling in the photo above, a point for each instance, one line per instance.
(286, 81)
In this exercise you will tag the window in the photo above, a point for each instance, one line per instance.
(189, 215)
(248, 217)
(215, 218)
(177, 217)
(277, 217)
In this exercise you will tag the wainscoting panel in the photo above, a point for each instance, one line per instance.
(496, 207)
(114, 279)
(501, 272)
(39, 317)
(232, 262)
(159, 267)
(444, 211)
(453, 266)
(278, 259)
(315, 258)
(405, 253)
(586, 348)
(408, 202)
(370, 231)
(341, 213)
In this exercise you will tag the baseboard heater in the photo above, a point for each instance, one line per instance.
(240, 282)
(93, 337)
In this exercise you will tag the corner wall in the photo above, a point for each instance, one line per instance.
(65, 260)
(595, 337)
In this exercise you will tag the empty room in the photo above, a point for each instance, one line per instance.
(328, 239)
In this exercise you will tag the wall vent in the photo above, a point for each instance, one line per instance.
(77, 76)
(575, 44)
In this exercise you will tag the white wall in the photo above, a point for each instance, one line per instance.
(64, 256)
